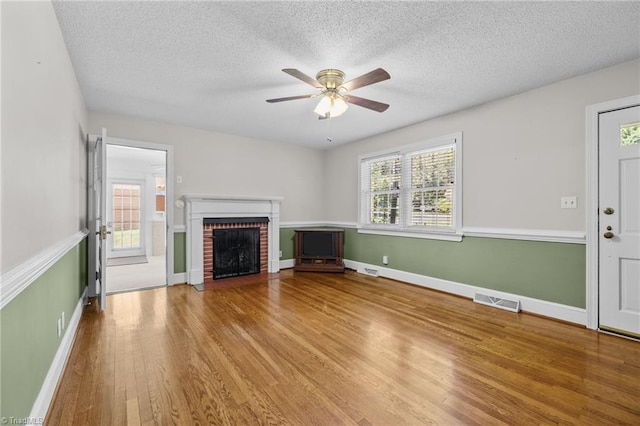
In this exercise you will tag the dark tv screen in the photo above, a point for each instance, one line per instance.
(318, 244)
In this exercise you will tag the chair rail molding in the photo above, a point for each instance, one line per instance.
(552, 236)
(16, 280)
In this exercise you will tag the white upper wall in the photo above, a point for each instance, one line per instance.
(43, 198)
(521, 154)
(217, 163)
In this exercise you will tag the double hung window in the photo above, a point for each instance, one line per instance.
(413, 189)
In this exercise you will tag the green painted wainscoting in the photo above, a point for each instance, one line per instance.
(555, 272)
(287, 243)
(179, 252)
(28, 324)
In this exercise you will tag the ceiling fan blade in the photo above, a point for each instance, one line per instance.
(290, 98)
(302, 76)
(367, 103)
(372, 77)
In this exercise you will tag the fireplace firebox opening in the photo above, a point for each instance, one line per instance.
(234, 247)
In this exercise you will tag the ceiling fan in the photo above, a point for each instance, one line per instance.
(335, 93)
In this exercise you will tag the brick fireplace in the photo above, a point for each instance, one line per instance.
(237, 211)
(223, 255)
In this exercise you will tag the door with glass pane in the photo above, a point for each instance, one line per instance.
(619, 221)
(125, 219)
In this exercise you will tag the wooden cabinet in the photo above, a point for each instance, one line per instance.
(319, 250)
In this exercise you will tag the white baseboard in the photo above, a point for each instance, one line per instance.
(178, 278)
(43, 401)
(528, 304)
(287, 263)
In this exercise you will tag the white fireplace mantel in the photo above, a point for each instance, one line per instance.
(201, 206)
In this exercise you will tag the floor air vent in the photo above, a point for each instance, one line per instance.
(496, 302)
(371, 271)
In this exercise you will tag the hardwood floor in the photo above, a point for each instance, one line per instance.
(327, 349)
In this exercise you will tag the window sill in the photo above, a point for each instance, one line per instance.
(443, 236)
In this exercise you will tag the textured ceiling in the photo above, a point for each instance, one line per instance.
(212, 65)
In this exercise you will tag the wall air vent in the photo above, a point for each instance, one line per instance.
(496, 302)
(370, 271)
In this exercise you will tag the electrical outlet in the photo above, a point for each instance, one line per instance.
(178, 179)
(59, 327)
(385, 260)
(64, 323)
(280, 253)
(568, 202)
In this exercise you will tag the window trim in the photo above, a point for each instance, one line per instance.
(408, 230)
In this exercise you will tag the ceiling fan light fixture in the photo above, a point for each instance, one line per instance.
(335, 94)
(338, 107)
(331, 105)
(324, 106)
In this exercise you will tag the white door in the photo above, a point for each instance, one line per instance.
(92, 216)
(619, 220)
(125, 214)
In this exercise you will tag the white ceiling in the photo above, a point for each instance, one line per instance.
(211, 65)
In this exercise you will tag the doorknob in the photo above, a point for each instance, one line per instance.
(608, 234)
(608, 210)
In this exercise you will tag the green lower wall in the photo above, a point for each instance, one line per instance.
(555, 272)
(179, 252)
(28, 327)
(287, 236)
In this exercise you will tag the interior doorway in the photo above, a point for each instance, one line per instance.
(136, 218)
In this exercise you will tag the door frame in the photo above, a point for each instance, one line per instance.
(168, 194)
(593, 237)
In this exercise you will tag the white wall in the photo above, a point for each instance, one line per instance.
(216, 163)
(43, 135)
(521, 154)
